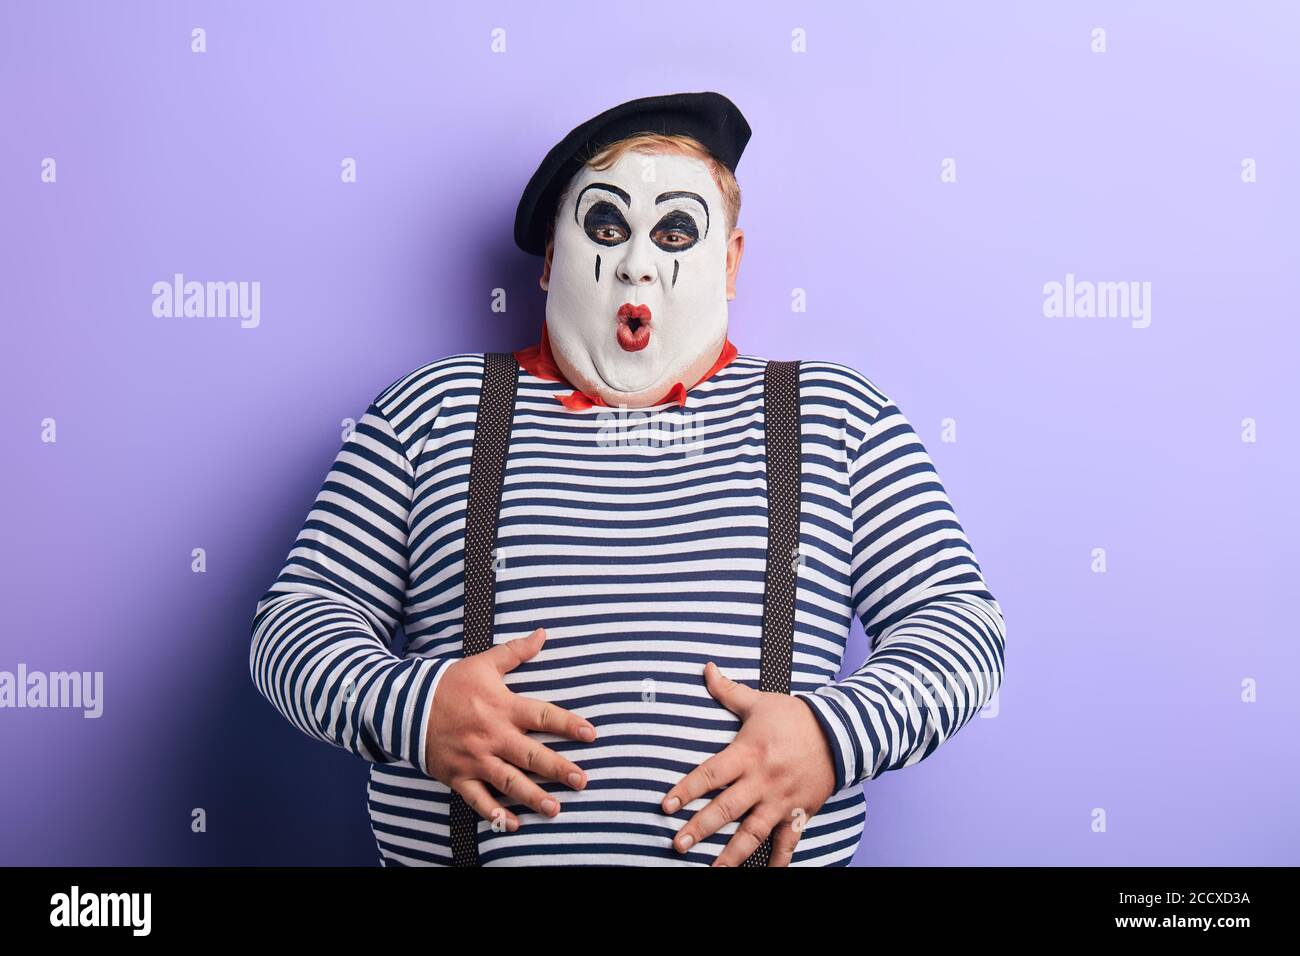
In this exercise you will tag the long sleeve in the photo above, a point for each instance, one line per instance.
(322, 634)
(937, 634)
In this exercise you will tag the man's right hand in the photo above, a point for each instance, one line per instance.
(478, 734)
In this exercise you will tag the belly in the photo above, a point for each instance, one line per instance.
(655, 722)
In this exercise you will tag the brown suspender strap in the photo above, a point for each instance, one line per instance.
(487, 467)
(496, 412)
(781, 429)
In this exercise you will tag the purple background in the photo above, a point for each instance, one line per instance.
(1123, 689)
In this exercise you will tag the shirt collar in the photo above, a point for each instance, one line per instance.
(538, 360)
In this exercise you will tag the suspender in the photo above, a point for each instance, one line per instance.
(487, 467)
(496, 411)
(781, 434)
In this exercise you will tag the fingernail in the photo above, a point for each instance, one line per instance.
(575, 780)
(686, 841)
(549, 807)
(587, 733)
(672, 805)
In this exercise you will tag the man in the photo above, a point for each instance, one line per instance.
(613, 713)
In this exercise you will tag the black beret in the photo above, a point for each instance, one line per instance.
(710, 118)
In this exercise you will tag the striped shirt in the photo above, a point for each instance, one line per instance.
(638, 539)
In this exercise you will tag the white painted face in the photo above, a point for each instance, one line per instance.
(637, 295)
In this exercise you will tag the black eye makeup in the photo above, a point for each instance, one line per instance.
(675, 232)
(604, 224)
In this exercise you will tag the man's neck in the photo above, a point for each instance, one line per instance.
(689, 378)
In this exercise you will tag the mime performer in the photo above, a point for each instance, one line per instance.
(626, 559)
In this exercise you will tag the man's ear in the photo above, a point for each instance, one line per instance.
(545, 280)
(735, 249)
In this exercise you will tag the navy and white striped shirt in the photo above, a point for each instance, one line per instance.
(639, 542)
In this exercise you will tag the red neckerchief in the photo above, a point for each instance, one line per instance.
(537, 360)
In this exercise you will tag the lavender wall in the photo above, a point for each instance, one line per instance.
(1124, 689)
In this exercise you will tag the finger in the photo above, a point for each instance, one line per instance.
(737, 698)
(723, 768)
(731, 804)
(480, 799)
(784, 839)
(531, 714)
(753, 830)
(514, 783)
(527, 754)
(506, 657)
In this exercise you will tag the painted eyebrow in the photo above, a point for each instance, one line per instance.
(608, 187)
(684, 194)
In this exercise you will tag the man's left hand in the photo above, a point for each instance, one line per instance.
(777, 773)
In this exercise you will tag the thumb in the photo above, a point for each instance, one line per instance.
(506, 657)
(737, 698)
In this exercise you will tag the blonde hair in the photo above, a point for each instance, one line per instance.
(650, 143)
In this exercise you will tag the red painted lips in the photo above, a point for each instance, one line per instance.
(633, 326)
